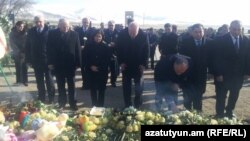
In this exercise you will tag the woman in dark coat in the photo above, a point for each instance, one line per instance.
(97, 58)
(17, 42)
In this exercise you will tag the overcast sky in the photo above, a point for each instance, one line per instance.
(210, 12)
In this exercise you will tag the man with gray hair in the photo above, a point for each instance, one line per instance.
(64, 56)
(85, 33)
(132, 56)
(231, 67)
(36, 56)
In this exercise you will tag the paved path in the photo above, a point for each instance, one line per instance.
(114, 96)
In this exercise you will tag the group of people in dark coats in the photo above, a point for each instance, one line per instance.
(226, 58)
(64, 57)
(184, 65)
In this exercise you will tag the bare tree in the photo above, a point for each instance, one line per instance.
(14, 6)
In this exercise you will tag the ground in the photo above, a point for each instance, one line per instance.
(114, 97)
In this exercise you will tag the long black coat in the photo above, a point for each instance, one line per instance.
(97, 55)
(229, 62)
(132, 52)
(200, 58)
(64, 51)
(17, 43)
(36, 44)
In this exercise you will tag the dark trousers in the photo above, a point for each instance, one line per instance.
(152, 57)
(114, 72)
(98, 81)
(97, 97)
(61, 79)
(85, 78)
(192, 98)
(221, 95)
(21, 71)
(127, 89)
(40, 74)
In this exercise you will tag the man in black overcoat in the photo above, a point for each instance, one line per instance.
(231, 67)
(36, 56)
(132, 56)
(110, 37)
(198, 48)
(64, 54)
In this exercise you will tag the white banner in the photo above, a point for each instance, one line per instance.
(3, 44)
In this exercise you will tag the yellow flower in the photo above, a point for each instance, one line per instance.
(214, 122)
(65, 138)
(178, 122)
(68, 128)
(92, 135)
(129, 128)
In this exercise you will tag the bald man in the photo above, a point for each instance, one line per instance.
(231, 66)
(132, 56)
(36, 56)
(64, 55)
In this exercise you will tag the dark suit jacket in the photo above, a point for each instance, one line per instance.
(168, 44)
(111, 37)
(132, 52)
(88, 34)
(200, 58)
(64, 51)
(232, 64)
(36, 44)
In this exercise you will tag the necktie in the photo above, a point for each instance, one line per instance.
(236, 43)
(84, 29)
(198, 43)
(39, 30)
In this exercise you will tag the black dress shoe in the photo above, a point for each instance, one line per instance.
(74, 108)
(219, 116)
(25, 84)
